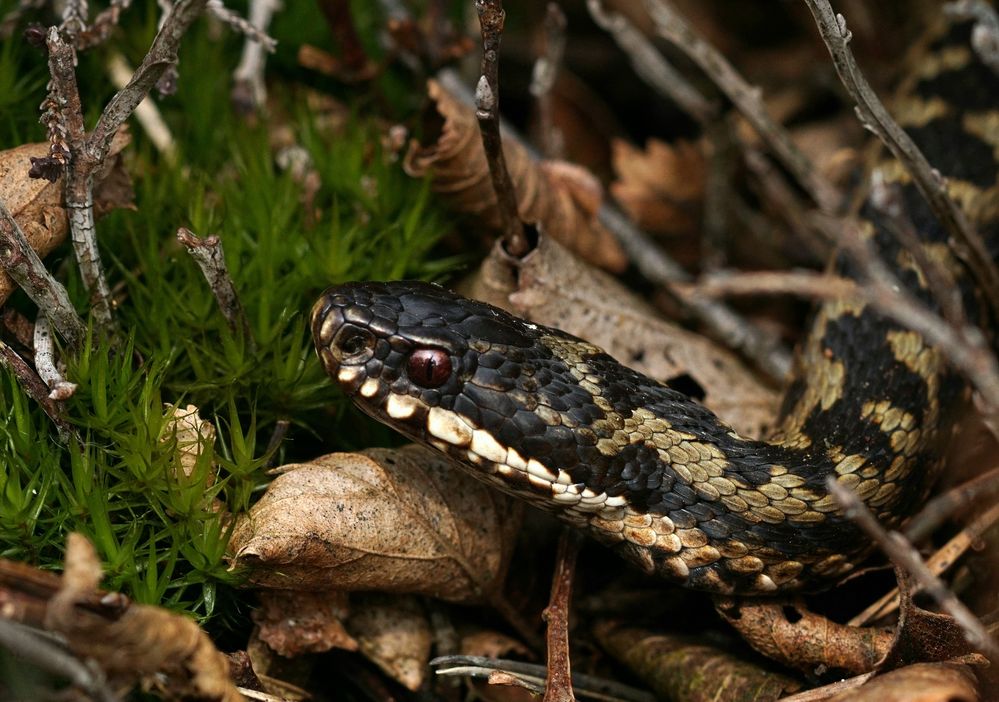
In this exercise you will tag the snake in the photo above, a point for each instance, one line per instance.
(652, 473)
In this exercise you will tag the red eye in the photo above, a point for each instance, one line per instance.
(429, 367)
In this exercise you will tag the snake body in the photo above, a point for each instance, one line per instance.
(652, 473)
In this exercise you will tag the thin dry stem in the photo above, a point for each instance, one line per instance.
(558, 687)
(210, 257)
(671, 25)
(651, 66)
(491, 19)
(874, 116)
(24, 266)
(249, 92)
(543, 80)
(934, 512)
(907, 559)
(45, 362)
(938, 563)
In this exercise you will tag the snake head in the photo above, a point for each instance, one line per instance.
(433, 365)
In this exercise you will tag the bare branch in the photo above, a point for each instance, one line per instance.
(651, 66)
(907, 558)
(33, 387)
(248, 28)
(24, 266)
(671, 25)
(934, 512)
(874, 116)
(491, 19)
(45, 362)
(210, 257)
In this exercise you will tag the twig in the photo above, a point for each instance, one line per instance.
(248, 28)
(985, 34)
(147, 113)
(33, 387)
(874, 116)
(934, 512)
(103, 25)
(88, 152)
(558, 687)
(938, 563)
(532, 677)
(249, 92)
(74, 17)
(45, 364)
(42, 651)
(723, 324)
(651, 66)
(965, 347)
(210, 257)
(671, 25)
(543, 80)
(491, 18)
(906, 557)
(816, 286)
(24, 266)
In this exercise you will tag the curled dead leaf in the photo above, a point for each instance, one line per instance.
(551, 286)
(388, 520)
(36, 203)
(661, 187)
(162, 650)
(293, 623)
(798, 638)
(394, 634)
(562, 198)
(685, 669)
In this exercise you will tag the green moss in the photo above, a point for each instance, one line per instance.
(118, 480)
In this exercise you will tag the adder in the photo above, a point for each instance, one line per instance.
(652, 473)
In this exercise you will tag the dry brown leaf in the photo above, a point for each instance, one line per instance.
(551, 286)
(564, 205)
(394, 634)
(923, 682)
(388, 520)
(662, 186)
(37, 203)
(685, 669)
(798, 638)
(164, 651)
(293, 623)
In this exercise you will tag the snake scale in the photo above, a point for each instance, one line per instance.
(652, 473)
